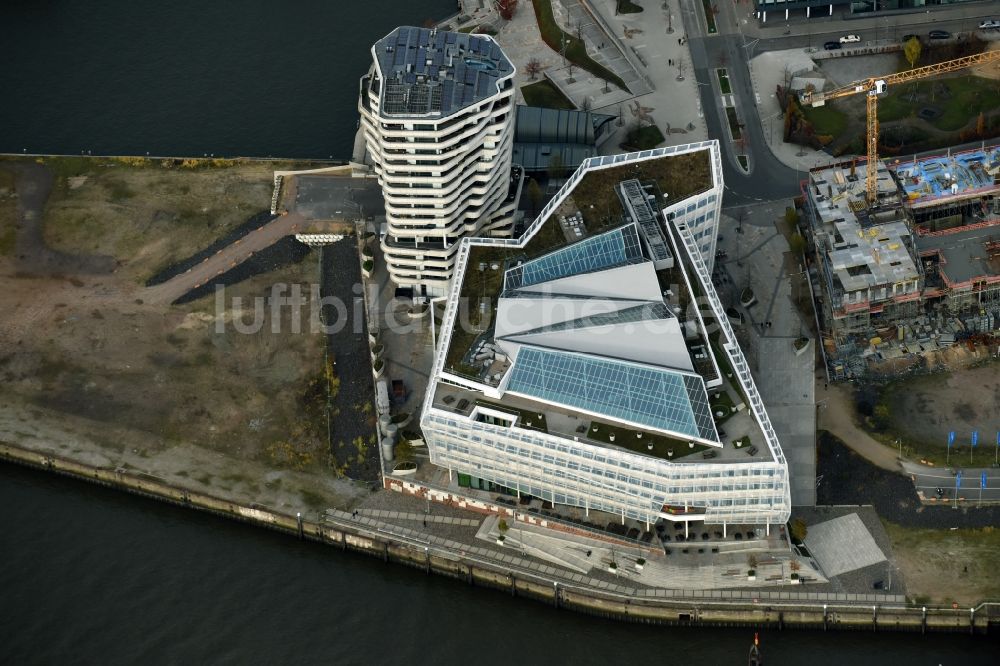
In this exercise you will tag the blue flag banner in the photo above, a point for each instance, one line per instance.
(975, 437)
(982, 481)
(951, 438)
(958, 479)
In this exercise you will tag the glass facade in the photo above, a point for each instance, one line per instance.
(612, 480)
(648, 396)
(614, 248)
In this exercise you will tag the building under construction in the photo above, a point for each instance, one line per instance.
(921, 265)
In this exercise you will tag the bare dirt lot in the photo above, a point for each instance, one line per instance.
(923, 410)
(944, 566)
(93, 372)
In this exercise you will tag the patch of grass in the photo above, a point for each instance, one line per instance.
(643, 138)
(947, 564)
(709, 16)
(8, 228)
(826, 119)
(312, 499)
(734, 122)
(724, 81)
(576, 50)
(545, 94)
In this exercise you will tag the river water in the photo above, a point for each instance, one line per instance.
(90, 575)
(93, 575)
(189, 77)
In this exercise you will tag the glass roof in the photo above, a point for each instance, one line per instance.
(617, 247)
(652, 397)
(644, 312)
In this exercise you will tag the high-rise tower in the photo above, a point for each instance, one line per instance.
(437, 112)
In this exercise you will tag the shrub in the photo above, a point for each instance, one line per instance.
(799, 530)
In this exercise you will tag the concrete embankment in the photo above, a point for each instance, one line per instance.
(689, 612)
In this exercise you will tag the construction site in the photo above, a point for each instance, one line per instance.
(904, 254)
(915, 272)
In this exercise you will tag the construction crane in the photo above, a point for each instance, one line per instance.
(877, 85)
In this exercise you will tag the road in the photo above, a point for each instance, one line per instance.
(739, 39)
(928, 479)
(769, 179)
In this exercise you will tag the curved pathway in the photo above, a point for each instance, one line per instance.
(33, 185)
(836, 415)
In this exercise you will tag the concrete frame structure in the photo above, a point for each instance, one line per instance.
(928, 241)
(437, 113)
(500, 440)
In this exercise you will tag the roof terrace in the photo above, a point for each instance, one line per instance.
(595, 199)
(572, 425)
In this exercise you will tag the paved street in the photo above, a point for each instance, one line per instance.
(928, 479)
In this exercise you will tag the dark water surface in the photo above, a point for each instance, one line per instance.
(251, 78)
(91, 575)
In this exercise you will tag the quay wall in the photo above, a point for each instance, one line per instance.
(983, 619)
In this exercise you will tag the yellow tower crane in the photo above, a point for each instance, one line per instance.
(877, 85)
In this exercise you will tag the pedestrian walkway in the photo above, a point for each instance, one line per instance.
(418, 517)
(224, 260)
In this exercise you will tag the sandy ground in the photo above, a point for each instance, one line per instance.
(92, 371)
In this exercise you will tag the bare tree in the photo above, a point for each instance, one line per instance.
(533, 67)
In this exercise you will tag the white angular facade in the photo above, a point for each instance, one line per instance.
(437, 112)
(534, 435)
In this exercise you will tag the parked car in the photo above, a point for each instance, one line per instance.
(850, 39)
(831, 46)
(939, 34)
(990, 24)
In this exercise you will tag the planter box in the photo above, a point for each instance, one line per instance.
(378, 373)
(638, 567)
(751, 577)
(613, 570)
(404, 469)
(806, 347)
(500, 541)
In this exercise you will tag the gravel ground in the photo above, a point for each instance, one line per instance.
(352, 410)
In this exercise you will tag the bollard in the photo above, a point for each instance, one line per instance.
(298, 521)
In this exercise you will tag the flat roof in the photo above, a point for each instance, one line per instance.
(964, 253)
(868, 247)
(433, 72)
(929, 180)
